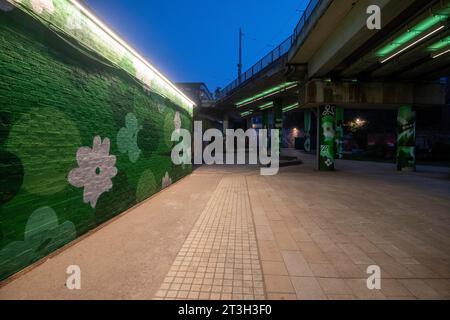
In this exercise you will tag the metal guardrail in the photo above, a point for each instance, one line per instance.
(305, 17)
(270, 58)
(273, 56)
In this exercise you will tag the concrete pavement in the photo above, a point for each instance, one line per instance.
(225, 232)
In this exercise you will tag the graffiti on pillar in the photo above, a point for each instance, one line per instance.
(327, 135)
(339, 133)
(406, 139)
(307, 144)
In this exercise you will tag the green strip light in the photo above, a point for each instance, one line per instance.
(441, 44)
(266, 106)
(267, 93)
(291, 107)
(247, 113)
(412, 33)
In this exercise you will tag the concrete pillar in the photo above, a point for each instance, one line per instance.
(265, 126)
(406, 139)
(265, 119)
(249, 123)
(226, 123)
(278, 118)
(326, 129)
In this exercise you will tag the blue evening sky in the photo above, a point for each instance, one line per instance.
(197, 40)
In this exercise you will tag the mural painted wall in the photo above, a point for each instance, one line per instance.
(406, 139)
(307, 124)
(327, 136)
(82, 139)
(339, 133)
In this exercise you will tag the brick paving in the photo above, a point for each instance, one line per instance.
(228, 233)
(219, 259)
(318, 244)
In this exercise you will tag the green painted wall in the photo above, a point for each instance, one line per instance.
(81, 141)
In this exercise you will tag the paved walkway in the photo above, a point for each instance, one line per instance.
(219, 259)
(229, 233)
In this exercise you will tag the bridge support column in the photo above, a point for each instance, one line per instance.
(226, 123)
(326, 129)
(278, 118)
(249, 123)
(406, 139)
(265, 119)
(266, 126)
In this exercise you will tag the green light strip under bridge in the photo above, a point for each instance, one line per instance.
(247, 113)
(441, 44)
(291, 107)
(267, 93)
(412, 33)
(266, 106)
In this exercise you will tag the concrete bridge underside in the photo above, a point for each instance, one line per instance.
(335, 61)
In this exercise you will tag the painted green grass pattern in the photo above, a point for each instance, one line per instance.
(80, 142)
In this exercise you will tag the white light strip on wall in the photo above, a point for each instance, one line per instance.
(413, 44)
(125, 45)
(441, 54)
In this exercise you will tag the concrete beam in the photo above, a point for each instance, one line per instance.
(371, 95)
(321, 23)
(351, 33)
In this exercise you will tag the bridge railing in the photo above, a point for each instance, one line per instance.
(267, 60)
(305, 17)
(272, 56)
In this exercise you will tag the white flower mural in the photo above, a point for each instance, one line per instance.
(177, 122)
(39, 6)
(6, 6)
(166, 181)
(96, 168)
